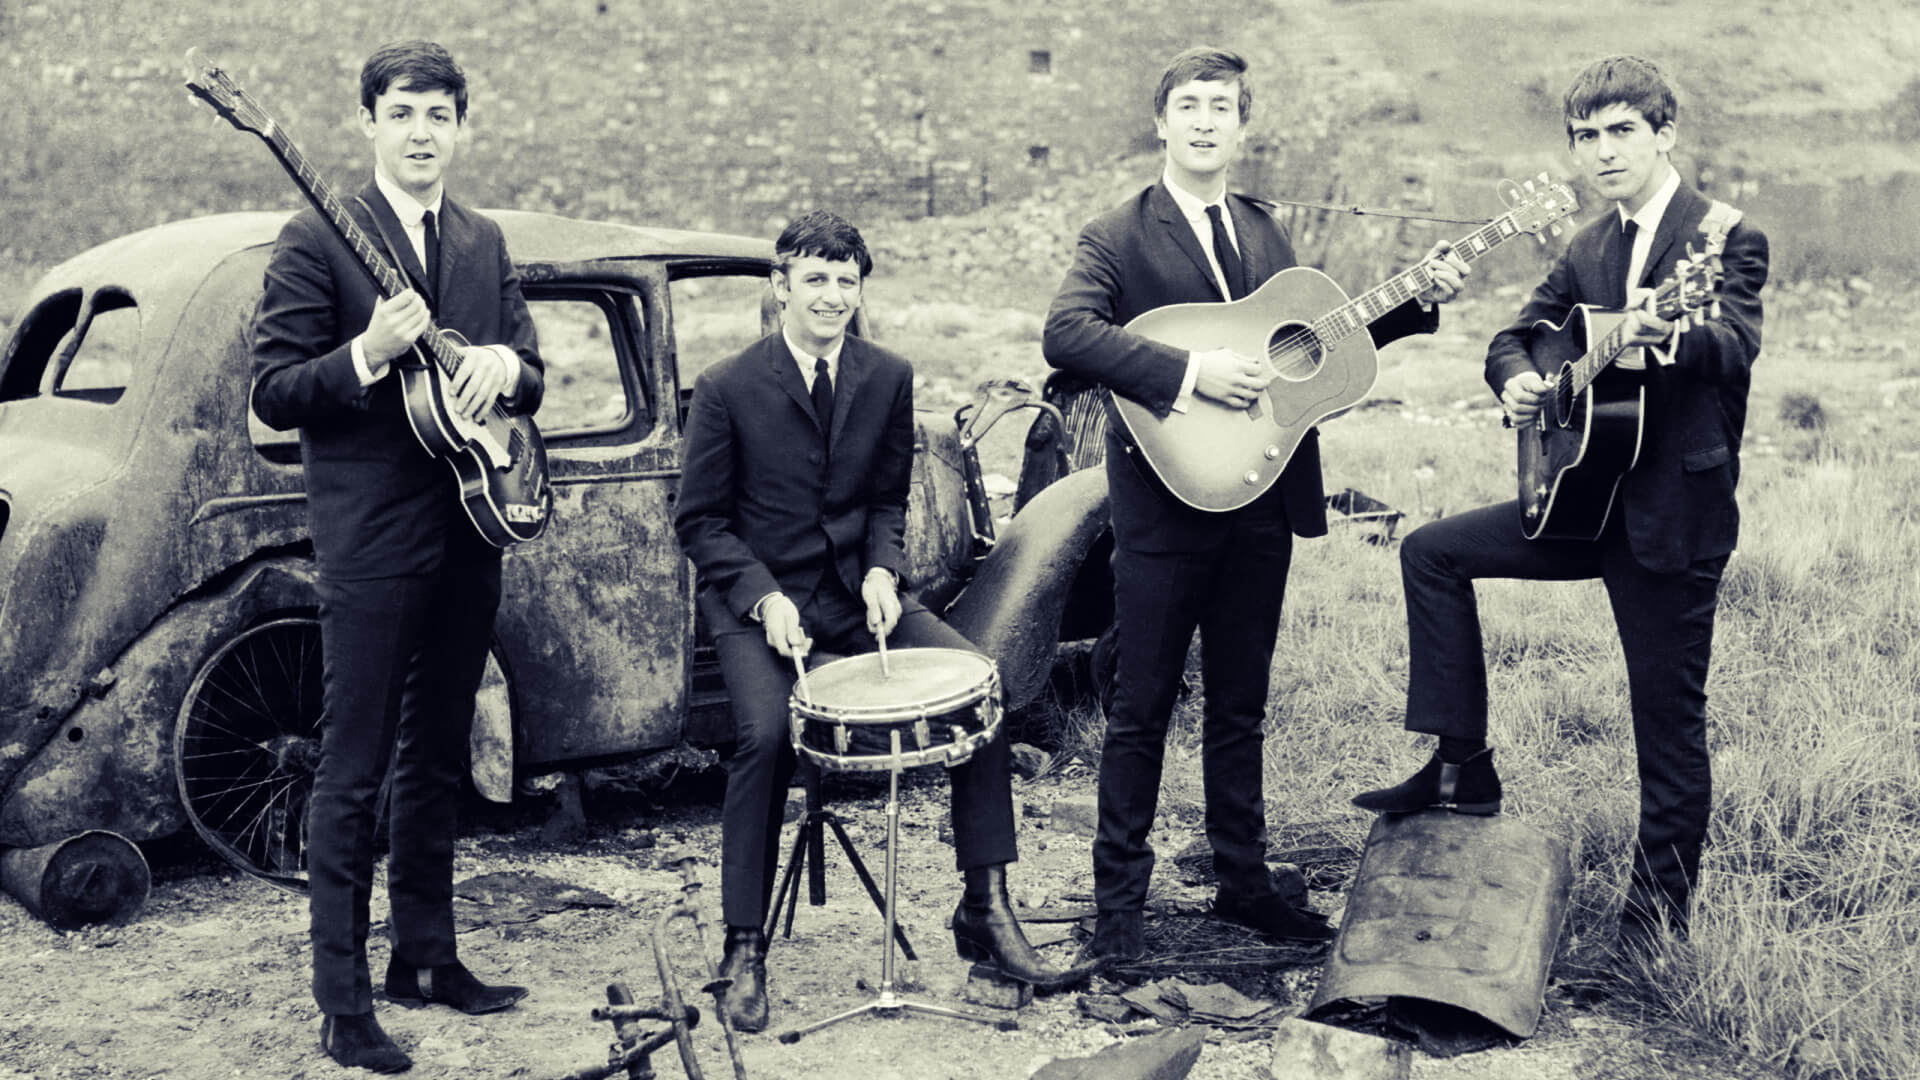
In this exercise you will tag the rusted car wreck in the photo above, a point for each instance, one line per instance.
(159, 656)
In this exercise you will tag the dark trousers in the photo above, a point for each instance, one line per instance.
(760, 682)
(403, 658)
(1232, 594)
(1666, 631)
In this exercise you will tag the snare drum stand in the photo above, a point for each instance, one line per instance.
(887, 1003)
(810, 850)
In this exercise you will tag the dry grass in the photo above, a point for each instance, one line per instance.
(1806, 947)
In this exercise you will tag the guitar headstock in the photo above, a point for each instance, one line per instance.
(1537, 205)
(1691, 294)
(212, 85)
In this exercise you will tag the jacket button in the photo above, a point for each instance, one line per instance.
(814, 457)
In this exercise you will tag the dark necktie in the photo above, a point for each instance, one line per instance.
(1228, 258)
(1624, 259)
(822, 396)
(432, 266)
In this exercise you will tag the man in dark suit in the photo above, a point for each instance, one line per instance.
(407, 586)
(1674, 521)
(793, 510)
(1186, 239)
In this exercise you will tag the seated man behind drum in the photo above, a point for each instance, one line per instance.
(793, 508)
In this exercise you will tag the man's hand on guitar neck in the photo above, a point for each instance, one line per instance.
(1229, 378)
(397, 322)
(1448, 271)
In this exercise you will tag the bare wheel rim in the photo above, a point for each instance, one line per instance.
(246, 744)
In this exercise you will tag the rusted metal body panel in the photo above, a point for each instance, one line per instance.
(1012, 608)
(1454, 908)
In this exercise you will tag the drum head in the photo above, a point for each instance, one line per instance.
(855, 684)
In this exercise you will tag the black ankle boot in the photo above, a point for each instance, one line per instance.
(985, 931)
(447, 984)
(745, 962)
(357, 1041)
(1471, 787)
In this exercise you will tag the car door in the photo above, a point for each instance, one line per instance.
(595, 624)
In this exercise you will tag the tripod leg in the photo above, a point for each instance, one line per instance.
(817, 868)
(873, 890)
(788, 894)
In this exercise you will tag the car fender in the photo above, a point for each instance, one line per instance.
(1011, 609)
(110, 765)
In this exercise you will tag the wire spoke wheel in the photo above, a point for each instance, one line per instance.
(246, 745)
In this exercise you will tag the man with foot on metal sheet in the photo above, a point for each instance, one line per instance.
(1660, 539)
(793, 508)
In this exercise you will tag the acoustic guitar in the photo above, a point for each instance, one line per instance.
(1575, 451)
(1315, 344)
(499, 461)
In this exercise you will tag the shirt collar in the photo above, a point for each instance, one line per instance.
(406, 207)
(805, 358)
(1191, 205)
(1649, 216)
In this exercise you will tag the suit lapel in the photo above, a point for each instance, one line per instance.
(454, 237)
(393, 236)
(1680, 214)
(784, 367)
(1175, 223)
(1246, 235)
(853, 372)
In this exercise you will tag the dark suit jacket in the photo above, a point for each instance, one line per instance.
(1678, 501)
(763, 506)
(378, 504)
(1143, 255)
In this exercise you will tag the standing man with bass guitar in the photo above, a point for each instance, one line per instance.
(1661, 551)
(407, 586)
(1185, 239)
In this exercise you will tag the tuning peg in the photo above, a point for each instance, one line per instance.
(1543, 176)
(1528, 185)
(1554, 229)
(1713, 309)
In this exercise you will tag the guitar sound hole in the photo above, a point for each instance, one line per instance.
(1295, 351)
(1563, 401)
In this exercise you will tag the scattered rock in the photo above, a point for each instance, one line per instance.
(1304, 1050)
(1156, 1057)
(1815, 1058)
(1079, 814)
(986, 986)
(1028, 760)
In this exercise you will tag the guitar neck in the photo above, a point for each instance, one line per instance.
(1367, 308)
(1664, 305)
(320, 194)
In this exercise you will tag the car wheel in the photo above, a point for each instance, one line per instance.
(246, 744)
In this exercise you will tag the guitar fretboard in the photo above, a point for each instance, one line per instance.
(1363, 310)
(1666, 303)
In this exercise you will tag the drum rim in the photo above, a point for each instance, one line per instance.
(908, 712)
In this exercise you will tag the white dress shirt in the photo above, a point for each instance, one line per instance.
(1194, 209)
(1646, 222)
(412, 215)
(804, 359)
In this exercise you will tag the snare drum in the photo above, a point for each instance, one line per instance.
(940, 704)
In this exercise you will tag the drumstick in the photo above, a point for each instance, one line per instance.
(800, 669)
(882, 639)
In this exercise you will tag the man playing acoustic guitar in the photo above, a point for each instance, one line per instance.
(1183, 240)
(407, 586)
(1661, 551)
